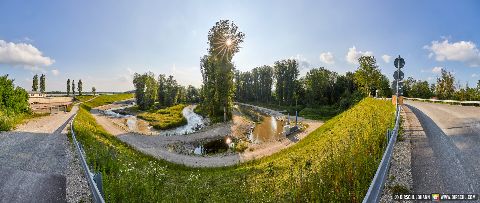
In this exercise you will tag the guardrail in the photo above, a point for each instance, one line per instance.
(92, 179)
(376, 187)
(456, 102)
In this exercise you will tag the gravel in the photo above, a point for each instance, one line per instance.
(37, 163)
(400, 174)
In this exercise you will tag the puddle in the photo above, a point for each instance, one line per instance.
(213, 147)
(269, 129)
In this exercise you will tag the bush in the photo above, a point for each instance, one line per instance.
(13, 104)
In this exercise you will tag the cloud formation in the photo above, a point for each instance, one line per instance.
(437, 69)
(55, 72)
(462, 51)
(353, 55)
(303, 63)
(327, 58)
(22, 54)
(386, 58)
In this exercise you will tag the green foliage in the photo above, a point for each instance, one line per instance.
(286, 75)
(167, 118)
(105, 99)
(335, 163)
(255, 85)
(73, 88)
(68, 87)
(42, 83)
(35, 83)
(83, 98)
(80, 87)
(445, 85)
(218, 70)
(146, 88)
(14, 104)
(192, 95)
(421, 89)
(368, 76)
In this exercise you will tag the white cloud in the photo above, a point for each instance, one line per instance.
(475, 75)
(303, 63)
(353, 55)
(55, 72)
(462, 51)
(22, 54)
(327, 58)
(386, 58)
(437, 69)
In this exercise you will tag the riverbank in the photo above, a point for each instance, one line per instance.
(175, 147)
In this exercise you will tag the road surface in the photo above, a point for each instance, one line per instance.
(37, 163)
(446, 157)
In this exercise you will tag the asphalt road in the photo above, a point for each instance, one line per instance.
(33, 161)
(446, 158)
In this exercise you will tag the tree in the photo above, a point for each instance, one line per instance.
(35, 83)
(445, 85)
(383, 87)
(42, 83)
(192, 95)
(218, 70)
(73, 88)
(13, 99)
(145, 90)
(367, 76)
(94, 90)
(319, 84)
(68, 87)
(421, 89)
(80, 87)
(161, 89)
(286, 76)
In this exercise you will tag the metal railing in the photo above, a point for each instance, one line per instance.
(91, 177)
(454, 102)
(376, 187)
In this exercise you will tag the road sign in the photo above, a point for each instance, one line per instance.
(399, 62)
(394, 86)
(397, 76)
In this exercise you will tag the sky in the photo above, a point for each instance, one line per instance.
(104, 42)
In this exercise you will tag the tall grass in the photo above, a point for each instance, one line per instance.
(166, 118)
(335, 163)
(106, 99)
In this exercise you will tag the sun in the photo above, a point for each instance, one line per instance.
(228, 42)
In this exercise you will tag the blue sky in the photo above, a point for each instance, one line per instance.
(104, 42)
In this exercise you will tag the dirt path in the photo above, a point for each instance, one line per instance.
(38, 164)
(157, 145)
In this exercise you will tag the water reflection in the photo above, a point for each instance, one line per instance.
(269, 129)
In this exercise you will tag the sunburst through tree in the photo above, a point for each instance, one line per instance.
(224, 39)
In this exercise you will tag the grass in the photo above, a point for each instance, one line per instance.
(106, 99)
(335, 163)
(165, 118)
(9, 120)
(83, 98)
(310, 112)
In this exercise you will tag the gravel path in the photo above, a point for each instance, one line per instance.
(445, 159)
(37, 163)
(157, 145)
(400, 171)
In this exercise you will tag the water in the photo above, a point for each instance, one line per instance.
(195, 122)
(212, 147)
(131, 120)
(269, 129)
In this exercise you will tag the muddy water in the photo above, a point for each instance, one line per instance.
(269, 129)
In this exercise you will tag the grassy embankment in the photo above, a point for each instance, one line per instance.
(106, 99)
(334, 163)
(166, 118)
(311, 112)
